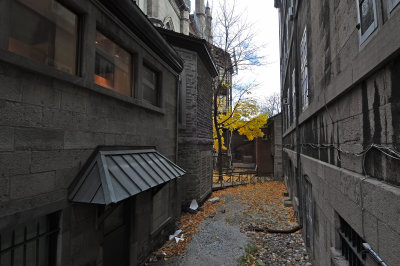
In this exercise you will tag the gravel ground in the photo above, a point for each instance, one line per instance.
(223, 237)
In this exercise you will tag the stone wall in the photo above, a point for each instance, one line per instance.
(353, 103)
(195, 131)
(51, 122)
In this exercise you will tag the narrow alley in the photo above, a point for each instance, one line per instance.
(220, 233)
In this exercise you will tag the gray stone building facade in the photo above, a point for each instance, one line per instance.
(195, 116)
(339, 74)
(196, 85)
(75, 76)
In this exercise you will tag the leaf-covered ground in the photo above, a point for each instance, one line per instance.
(258, 205)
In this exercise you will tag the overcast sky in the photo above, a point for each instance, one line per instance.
(264, 17)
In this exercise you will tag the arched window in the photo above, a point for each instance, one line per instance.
(168, 24)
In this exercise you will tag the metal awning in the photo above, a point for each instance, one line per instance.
(116, 175)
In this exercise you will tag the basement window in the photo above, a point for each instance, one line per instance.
(112, 66)
(33, 243)
(366, 18)
(44, 31)
(351, 244)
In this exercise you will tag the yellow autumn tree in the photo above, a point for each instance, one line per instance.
(245, 118)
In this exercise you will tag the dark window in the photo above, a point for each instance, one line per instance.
(116, 234)
(45, 31)
(112, 66)
(351, 243)
(367, 18)
(309, 212)
(150, 85)
(160, 207)
(304, 70)
(33, 243)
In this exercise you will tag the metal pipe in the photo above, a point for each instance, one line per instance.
(374, 255)
(178, 108)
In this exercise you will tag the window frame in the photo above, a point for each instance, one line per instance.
(304, 71)
(78, 44)
(132, 65)
(372, 27)
(158, 73)
(163, 190)
(51, 233)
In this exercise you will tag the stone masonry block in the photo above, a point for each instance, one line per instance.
(38, 139)
(350, 185)
(10, 87)
(378, 199)
(73, 100)
(4, 189)
(82, 140)
(39, 91)
(52, 160)
(64, 177)
(17, 114)
(6, 139)
(389, 244)
(63, 119)
(14, 163)
(31, 185)
(370, 229)
(350, 129)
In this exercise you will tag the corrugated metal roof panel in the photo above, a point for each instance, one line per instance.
(116, 175)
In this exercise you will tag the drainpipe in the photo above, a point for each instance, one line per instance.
(297, 111)
(373, 254)
(178, 89)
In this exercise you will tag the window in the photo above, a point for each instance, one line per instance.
(393, 4)
(33, 243)
(44, 31)
(351, 244)
(288, 107)
(294, 93)
(150, 85)
(366, 18)
(309, 212)
(304, 70)
(112, 66)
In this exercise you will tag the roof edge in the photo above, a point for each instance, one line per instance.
(191, 43)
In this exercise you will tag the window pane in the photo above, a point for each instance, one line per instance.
(150, 92)
(366, 15)
(46, 32)
(112, 66)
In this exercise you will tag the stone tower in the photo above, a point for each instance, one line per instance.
(208, 27)
(201, 16)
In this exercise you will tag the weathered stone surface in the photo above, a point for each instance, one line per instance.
(14, 163)
(38, 139)
(26, 186)
(6, 138)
